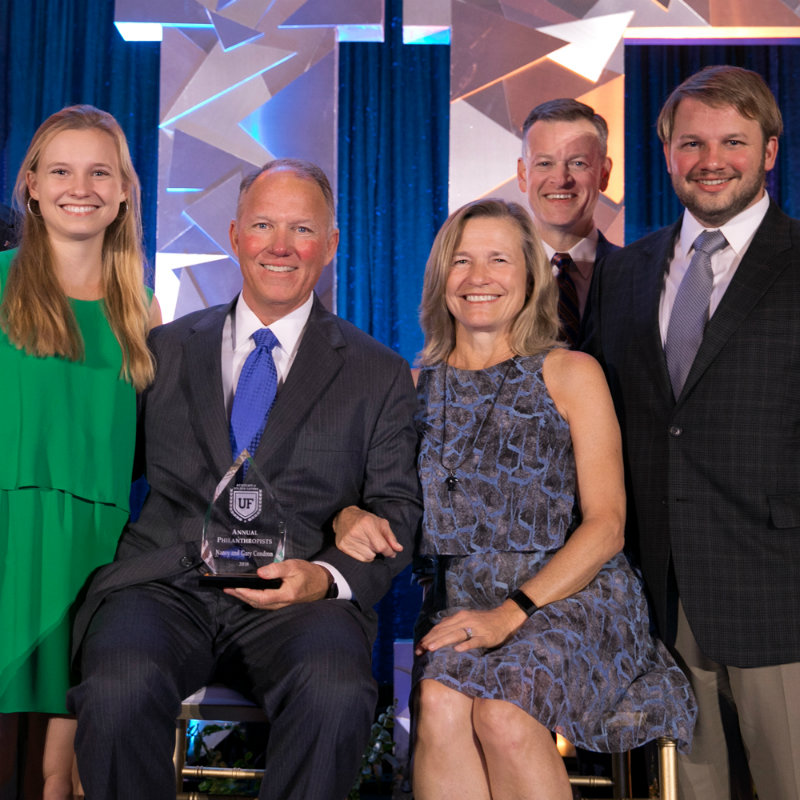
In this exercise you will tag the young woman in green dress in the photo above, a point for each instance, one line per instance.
(74, 316)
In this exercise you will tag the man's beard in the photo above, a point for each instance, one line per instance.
(705, 208)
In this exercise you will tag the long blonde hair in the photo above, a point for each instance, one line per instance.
(535, 327)
(35, 312)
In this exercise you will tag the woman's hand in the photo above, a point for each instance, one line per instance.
(465, 630)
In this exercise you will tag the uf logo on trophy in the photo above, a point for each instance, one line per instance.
(245, 502)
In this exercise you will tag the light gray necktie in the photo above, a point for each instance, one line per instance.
(690, 310)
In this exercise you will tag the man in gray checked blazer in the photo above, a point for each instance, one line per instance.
(339, 436)
(714, 464)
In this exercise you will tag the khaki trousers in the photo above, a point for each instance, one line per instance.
(746, 717)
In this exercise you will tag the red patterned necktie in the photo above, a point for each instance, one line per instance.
(568, 309)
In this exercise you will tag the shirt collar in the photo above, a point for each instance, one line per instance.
(287, 329)
(738, 231)
(583, 253)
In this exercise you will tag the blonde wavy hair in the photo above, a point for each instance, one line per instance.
(35, 312)
(535, 328)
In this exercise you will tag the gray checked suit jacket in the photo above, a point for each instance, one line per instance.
(714, 475)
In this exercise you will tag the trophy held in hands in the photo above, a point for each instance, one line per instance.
(244, 529)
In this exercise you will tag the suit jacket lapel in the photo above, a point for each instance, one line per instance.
(316, 364)
(758, 269)
(648, 285)
(604, 247)
(202, 361)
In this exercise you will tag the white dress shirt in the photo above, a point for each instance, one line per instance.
(739, 232)
(583, 254)
(237, 344)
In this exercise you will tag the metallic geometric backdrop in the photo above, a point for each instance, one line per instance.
(507, 56)
(243, 81)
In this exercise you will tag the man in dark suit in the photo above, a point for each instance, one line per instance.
(563, 169)
(339, 434)
(700, 339)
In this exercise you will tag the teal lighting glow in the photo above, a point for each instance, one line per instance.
(349, 33)
(426, 34)
(360, 33)
(227, 89)
(239, 44)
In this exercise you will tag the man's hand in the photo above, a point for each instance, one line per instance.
(303, 582)
(363, 535)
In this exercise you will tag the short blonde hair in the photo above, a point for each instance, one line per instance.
(35, 313)
(534, 329)
(724, 85)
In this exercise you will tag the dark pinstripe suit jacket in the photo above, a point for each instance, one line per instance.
(604, 248)
(714, 477)
(340, 433)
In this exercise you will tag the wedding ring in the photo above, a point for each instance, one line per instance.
(468, 631)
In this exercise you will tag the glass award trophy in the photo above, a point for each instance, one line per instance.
(244, 529)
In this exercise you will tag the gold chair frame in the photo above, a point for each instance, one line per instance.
(217, 702)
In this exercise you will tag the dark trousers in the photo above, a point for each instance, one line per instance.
(22, 737)
(150, 646)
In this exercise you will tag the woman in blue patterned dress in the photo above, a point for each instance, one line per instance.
(534, 621)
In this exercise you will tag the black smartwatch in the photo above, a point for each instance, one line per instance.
(523, 601)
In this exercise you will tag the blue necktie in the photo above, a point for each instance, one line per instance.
(690, 310)
(255, 394)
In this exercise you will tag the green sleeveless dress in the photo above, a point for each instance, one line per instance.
(66, 447)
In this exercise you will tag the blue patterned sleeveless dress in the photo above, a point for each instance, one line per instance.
(585, 666)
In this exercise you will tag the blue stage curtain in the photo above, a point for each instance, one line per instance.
(55, 53)
(393, 162)
(651, 73)
(393, 133)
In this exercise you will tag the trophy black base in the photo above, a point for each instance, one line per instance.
(247, 581)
